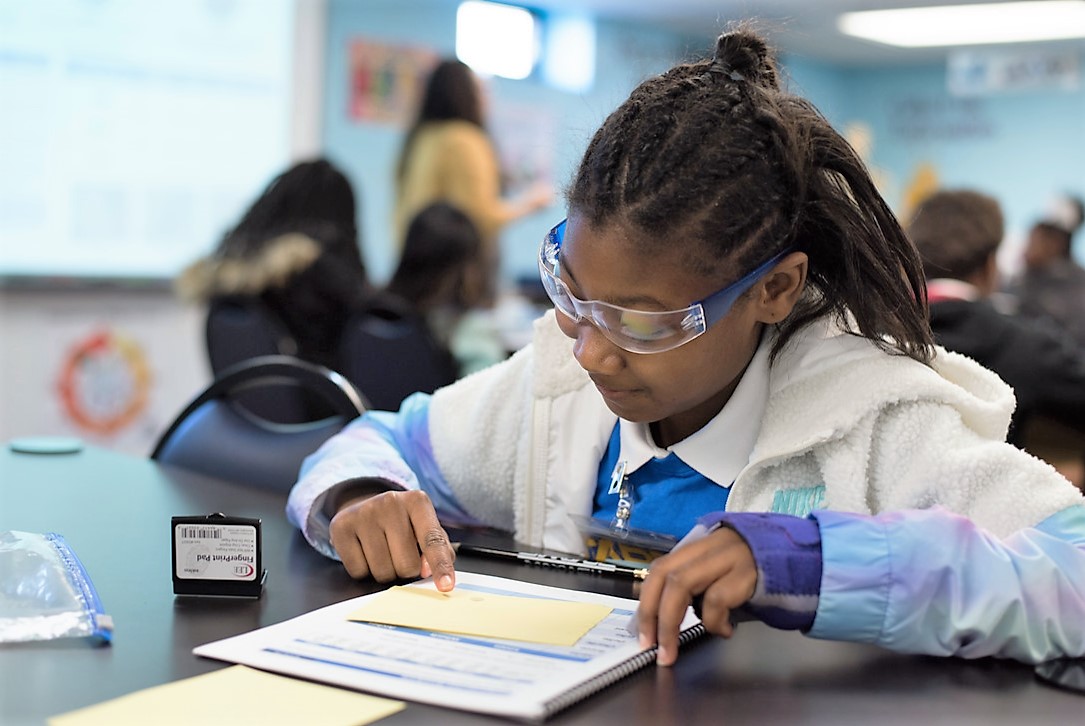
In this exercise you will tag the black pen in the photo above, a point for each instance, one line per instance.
(568, 563)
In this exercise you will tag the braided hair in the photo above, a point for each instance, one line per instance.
(714, 151)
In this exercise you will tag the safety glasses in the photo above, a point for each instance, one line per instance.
(638, 331)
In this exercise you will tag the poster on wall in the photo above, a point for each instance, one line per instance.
(970, 73)
(386, 81)
(109, 368)
(104, 383)
(524, 136)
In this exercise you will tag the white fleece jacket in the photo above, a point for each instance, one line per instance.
(879, 432)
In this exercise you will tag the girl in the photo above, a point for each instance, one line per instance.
(740, 346)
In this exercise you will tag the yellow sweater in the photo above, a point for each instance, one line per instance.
(454, 162)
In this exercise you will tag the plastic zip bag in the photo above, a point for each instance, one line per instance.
(45, 592)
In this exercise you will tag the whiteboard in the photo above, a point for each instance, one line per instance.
(133, 133)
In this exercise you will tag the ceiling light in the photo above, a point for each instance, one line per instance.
(948, 25)
(496, 39)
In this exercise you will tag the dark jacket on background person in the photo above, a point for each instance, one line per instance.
(1044, 366)
(308, 287)
(1056, 292)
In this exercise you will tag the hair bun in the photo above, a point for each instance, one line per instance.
(744, 55)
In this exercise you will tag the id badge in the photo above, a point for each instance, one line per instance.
(630, 546)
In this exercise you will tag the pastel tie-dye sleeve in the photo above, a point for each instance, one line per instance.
(386, 449)
(930, 581)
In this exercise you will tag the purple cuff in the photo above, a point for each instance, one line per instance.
(787, 552)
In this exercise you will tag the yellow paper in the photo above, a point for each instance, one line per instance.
(235, 695)
(469, 612)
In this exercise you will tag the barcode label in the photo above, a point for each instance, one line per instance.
(200, 532)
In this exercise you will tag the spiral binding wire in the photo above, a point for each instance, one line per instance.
(621, 670)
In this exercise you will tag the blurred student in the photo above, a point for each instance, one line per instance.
(440, 274)
(296, 251)
(958, 234)
(740, 356)
(449, 156)
(1052, 284)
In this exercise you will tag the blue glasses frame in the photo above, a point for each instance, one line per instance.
(639, 331)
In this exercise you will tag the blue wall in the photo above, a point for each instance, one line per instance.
(1023, 148)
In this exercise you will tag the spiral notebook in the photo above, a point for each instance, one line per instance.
(519, 679)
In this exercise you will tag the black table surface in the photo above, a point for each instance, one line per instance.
(115, 511)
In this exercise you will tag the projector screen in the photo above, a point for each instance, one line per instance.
(133, 133)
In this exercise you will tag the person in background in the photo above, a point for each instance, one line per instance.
(1052, 284)
(296, 250)
(437, 274)
(448, 156)
(739, 356)
(958, 234)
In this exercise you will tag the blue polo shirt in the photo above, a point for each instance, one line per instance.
(671, 487)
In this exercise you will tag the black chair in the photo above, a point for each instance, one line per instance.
(215, 435)
(240, 329)
(389, 353)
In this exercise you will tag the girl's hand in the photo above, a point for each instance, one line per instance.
(393, 535)
(720, 566)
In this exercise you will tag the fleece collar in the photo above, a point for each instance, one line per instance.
(806, 405)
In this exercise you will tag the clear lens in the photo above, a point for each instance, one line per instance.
(632, 330)
(635, 330)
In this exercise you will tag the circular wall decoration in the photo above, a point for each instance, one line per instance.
(104, 383)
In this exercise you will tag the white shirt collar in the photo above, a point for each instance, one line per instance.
(722, 448)
(946, 288)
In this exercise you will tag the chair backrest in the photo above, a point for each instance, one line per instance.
(388, 352)
(240, 329)
(215, 435)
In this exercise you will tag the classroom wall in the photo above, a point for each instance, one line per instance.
(111, 366)
(1023, 147)
(146, 339)
(113, 361)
